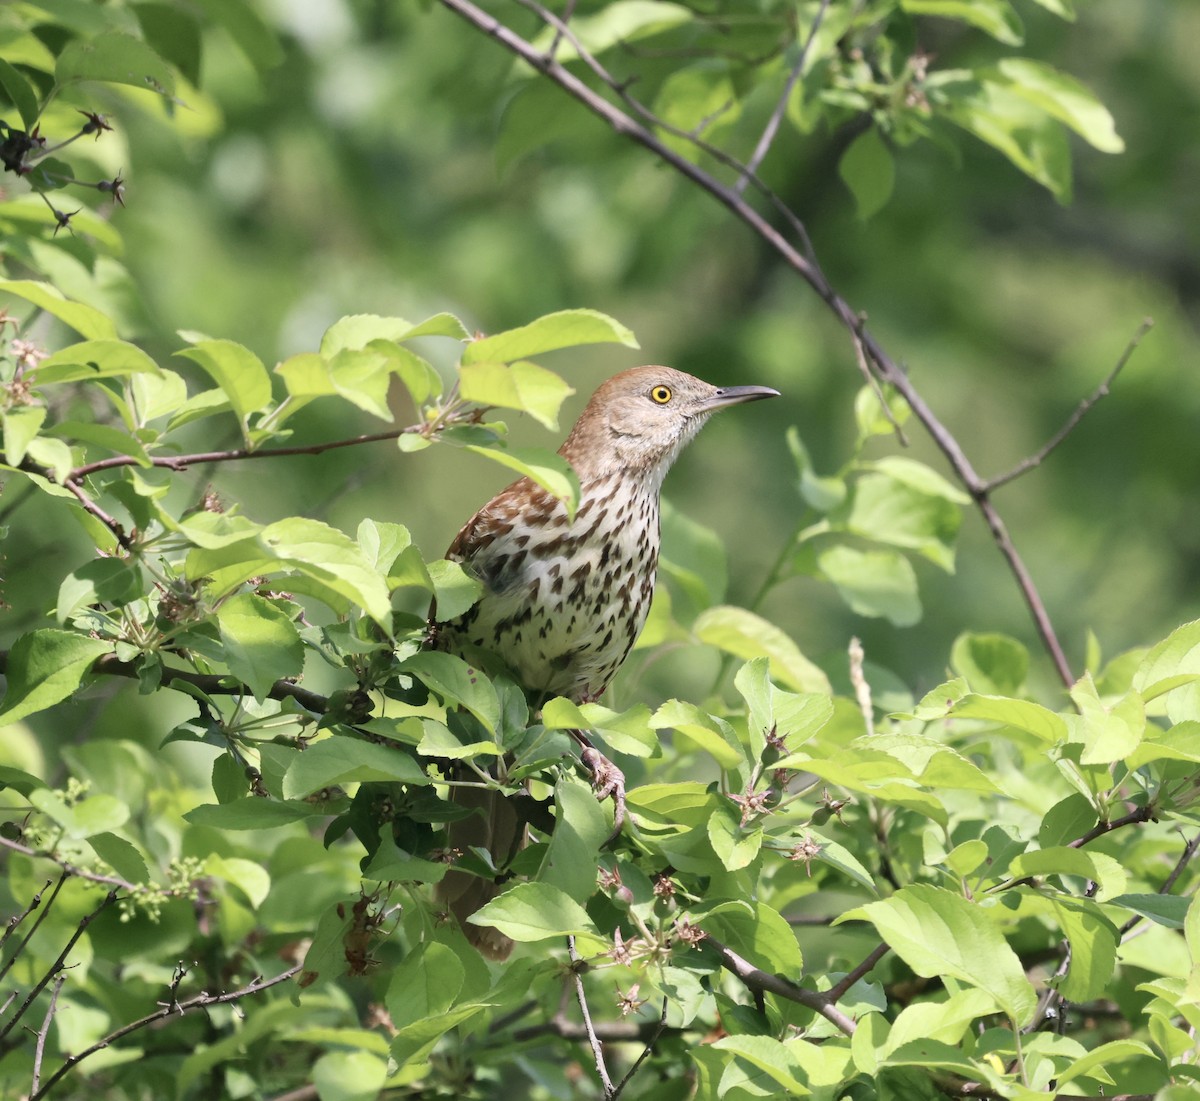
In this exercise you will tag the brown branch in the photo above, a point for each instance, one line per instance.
(1189, 851)
(234, 454)
(802, 263)
(1081, 410)
(1133, 818)
(67, 867)
(838, 991)
(58, 965)
(37, 922)
(39, 1049)
(215, 684)
(171, 1008)
(577, 969)
(13, 922)
(759, 980)
(658, 1031)
(767, 138)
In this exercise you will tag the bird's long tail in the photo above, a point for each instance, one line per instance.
(495, 826)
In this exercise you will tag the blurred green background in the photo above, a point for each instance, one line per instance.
(360, 175)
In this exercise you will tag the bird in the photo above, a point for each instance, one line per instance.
(563, 599)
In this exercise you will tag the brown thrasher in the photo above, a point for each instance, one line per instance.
(564, 600)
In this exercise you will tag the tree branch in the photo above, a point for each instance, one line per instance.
(37, 899)
(839, 989)
(804, 264)
(1081, 410)
(772, 127)
(171, 1008)
(757, 979)
(577, 969)
(39, 1049)
(1133, 818)
(67, 867)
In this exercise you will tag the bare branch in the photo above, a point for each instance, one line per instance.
(1133, 818)
(658, 1031)
(864, 368)
(37, 922)
(1081, 410)
(772, 128)
(172, 1008)
(58, 965)
(838, 991)
(67, 867)
(39, 1049)
(577, 969)
(14, 921)
(757, 979)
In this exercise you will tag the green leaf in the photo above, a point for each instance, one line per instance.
(248, 876)
(341, 759)
(521, 385)
(21, 426)
(531, 912)
(1064, 98)
(104, 580)
(1033, 718)
(565, 329)
(736, 846)
(1094, 941)
(991, 663)
(1108, 734)
(944, 1021)
(84, 819)
(358, 330)
(123, 857)
(773, 1058)
(332, 558)
(425, 984)
(1103, 1057)
(626, 732)
(1168, 910)
(262, 644)
(995, 17)
(247, 30)
(746, 635)
(759, 933)
(454, 589)
(707, 732)
(45, 667)
(693, 556)
(615, 23)
(93, 359)
(1108, 874)
(21, 93)
(236, 370)
(867, 169)
(116, 59)
(349, 1075)
(896, 512)
(87, 322)
(552, 472)
(875, 583)
(174, 34)
(457, 683)
(939, 933)
(580, 828)
(252, 813)
(1032, 140)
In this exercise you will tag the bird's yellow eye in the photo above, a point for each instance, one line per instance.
(661, 394)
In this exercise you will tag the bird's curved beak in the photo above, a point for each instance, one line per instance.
(735, 395)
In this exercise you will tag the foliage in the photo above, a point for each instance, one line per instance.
(826, 884)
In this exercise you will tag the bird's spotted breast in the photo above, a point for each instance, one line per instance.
(563, 602)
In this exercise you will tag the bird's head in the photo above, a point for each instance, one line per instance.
(639, 421)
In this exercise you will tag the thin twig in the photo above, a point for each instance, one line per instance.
(864, 368)
(1133, 818)
(236, 454)
(802, 263)
(772, 127)
(58, 965)
(838, 991)
(200, 1001)
(662, 1024)
(36, 923)
(1081, 410)
(67, 866)
(568, 11)
(13, 922)
(757, 979)
(1189, 851)
(858, 679)
(577, 969)
(39, 1049)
